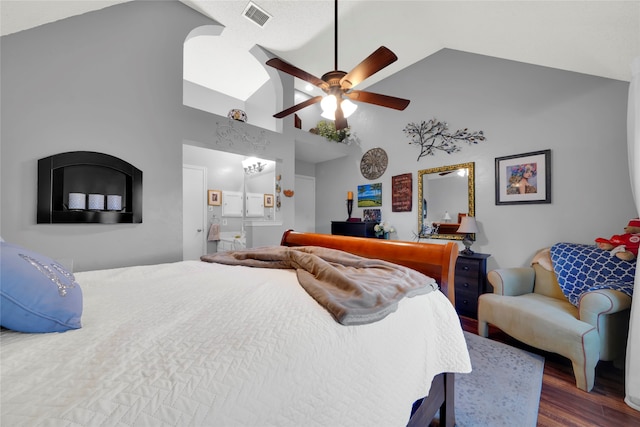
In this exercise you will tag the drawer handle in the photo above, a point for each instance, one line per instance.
(466, 285)
(465, 302)
(466, 268)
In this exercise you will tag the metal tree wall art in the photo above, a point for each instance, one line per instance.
(435, 135)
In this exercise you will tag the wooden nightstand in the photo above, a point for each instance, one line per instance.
(470, 282)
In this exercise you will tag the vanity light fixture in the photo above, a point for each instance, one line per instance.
(252, 166)
(255, 168)
(468, 226)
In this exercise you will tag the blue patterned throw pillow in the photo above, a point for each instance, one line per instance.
(36, 293)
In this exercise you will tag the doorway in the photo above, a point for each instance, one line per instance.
(305, 204)
(194, 212)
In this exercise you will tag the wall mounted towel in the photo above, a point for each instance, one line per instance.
(214, 233)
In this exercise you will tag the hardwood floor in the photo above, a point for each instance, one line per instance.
(561, 402)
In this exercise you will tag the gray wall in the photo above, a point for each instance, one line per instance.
(107, 81)
(521, 108)
(304, 168)
(78, 84)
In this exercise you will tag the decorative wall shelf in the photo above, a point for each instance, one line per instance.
(89, 173)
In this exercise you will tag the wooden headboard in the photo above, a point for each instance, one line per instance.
(434, 260)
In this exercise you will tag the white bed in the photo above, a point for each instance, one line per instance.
(194, 343)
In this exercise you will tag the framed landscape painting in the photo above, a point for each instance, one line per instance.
(370, 195)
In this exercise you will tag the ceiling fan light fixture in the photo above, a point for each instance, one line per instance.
(348, 108)
(337, 84)
(329, 116)
(329, 105)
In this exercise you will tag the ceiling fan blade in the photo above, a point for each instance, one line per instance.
(378, 99)
(341, 122)
(297, 107)
(375, 62)
(285, 67)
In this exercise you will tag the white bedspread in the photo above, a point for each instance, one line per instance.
(200, 344)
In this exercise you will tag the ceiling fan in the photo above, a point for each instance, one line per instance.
(337, 84)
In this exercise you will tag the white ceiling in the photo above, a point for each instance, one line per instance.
(593, 37)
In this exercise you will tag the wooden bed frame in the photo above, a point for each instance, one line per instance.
(434, 260)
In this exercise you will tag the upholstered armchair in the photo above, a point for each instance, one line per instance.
(529, 305)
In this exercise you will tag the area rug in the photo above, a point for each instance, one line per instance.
(503, 388)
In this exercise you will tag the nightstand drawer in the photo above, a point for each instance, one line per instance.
(466, 287)
(467, 268)
(467, 277)
(467, 304)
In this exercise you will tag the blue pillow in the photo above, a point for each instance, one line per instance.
(36, 293)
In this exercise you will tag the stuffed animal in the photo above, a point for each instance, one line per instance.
(624, 246)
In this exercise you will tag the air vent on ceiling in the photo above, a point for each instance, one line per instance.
(256, 14)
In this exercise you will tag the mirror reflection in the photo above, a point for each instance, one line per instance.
(446, 194)
(245, 183)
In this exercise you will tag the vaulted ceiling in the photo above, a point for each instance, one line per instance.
(593, 37)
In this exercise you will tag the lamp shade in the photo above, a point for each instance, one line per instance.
(468, 225)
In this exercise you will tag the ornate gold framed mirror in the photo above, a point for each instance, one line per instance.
(445, 195)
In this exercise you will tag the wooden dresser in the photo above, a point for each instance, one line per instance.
(470, 282)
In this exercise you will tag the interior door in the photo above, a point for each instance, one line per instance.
(305, 204)
(194, 212)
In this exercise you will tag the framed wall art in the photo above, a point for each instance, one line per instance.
(401, 192)
(372, 215)
(524, 178)
(268, 200)
(370, 195)
(214, 197)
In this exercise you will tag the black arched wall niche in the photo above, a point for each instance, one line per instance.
(88, 173)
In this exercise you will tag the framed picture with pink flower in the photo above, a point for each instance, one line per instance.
(524, 178)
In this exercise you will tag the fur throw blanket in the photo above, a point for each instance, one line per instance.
(355, 290)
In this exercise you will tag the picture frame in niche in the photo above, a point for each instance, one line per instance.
(214, 197)
(268, 200)
(523, 178)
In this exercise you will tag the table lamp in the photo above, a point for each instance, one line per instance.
(468, 226)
